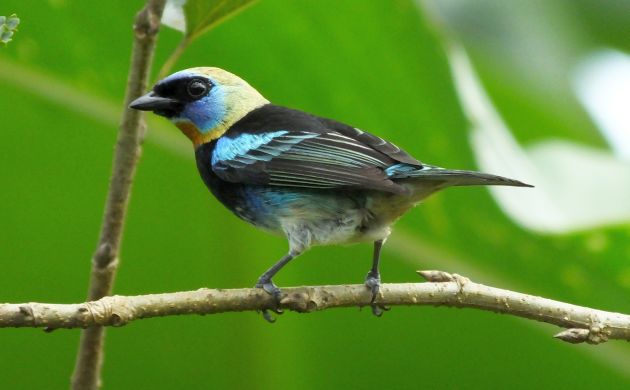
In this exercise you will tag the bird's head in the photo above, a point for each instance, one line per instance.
(202, 102)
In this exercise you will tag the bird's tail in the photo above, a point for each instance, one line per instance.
(454, 177)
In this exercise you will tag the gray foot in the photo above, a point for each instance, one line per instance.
(373, 282)
(273, 290)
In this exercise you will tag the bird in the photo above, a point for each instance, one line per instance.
(316, 181)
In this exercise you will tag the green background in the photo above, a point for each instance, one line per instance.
(378, 65)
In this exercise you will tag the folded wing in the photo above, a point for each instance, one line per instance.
(317, 160)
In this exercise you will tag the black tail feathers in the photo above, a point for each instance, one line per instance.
(455, 177)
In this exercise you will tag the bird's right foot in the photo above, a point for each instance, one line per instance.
(373, 282)
(273, 290)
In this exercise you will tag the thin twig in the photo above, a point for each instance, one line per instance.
(105, 261)
(583, 324)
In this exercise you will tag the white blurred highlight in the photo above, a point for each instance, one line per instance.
(602, 83)
(173, 15)
(577, 187)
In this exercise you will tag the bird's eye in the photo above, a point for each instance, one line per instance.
(197, 88)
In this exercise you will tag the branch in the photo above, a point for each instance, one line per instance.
(583, 324)
(105, 260)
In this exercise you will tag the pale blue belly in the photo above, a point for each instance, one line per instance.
(318, 217)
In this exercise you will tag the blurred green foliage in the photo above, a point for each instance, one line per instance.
(378, 65)
(203, 15)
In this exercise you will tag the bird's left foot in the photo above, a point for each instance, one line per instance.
(273, 290)
(373, 282)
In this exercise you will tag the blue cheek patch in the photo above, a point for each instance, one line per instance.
(208, 112)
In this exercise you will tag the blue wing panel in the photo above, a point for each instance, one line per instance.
(301, 159)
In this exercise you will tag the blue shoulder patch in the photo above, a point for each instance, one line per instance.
(231, 148)
(249, 148)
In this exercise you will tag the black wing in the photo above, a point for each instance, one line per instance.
(293, 149)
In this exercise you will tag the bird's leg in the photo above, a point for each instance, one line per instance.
(373, 278)
(267, 284)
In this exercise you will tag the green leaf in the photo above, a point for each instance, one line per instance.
(203, 15)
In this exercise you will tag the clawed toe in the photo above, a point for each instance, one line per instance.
(270, 288)
(273, 290)
(268, 316)
(378, 310)
(373, 282)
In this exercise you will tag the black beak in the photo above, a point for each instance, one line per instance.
(150, 102)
